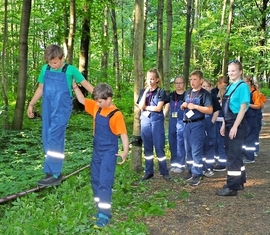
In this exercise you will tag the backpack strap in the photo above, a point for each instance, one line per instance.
(234, 88)
(48, 67)
(110, 114)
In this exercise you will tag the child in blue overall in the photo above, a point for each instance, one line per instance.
(220, 155)
(55, 82)
(210, 130)
(176, 126)
(151, 101)
(198, 102)
(252, 121)
(235, 103)
(108, 125)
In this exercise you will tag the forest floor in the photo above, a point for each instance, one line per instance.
(204, 213)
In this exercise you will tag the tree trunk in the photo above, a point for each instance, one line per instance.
(5, 123)
(160, 37)
(188, 41)
(167, 48)
(23, 55)
(116, 51)
(136, 153)
(227, 42)
(104, 41)
(72, 27)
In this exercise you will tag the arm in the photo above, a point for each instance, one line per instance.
(202, 109)
(33, 101)
(78, 93)
(166, 109)
(157, 108)
(89, 87)
(214, 117)
(142, 105)
(238, 120)
(125, 142)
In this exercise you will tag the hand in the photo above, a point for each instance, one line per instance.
(183, 106)
(222, 130)
(30, 111)
(233, 133)
(123, 156)
(191, 106)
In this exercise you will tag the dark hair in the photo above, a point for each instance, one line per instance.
(102, 91)
(53, 51)
(236, 62)
(198, 73)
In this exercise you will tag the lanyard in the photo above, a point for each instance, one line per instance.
(175, 100)
(192, 98)
(150, 98)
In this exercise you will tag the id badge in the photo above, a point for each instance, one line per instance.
(189, 114)
(174, 114)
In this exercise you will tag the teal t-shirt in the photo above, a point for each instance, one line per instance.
(71, 73)
(241, 95)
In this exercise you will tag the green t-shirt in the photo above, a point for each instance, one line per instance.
(71, 73)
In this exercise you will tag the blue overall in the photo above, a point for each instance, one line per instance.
(103, 162)
(153, 135)
(56, 111)
(209, 143)
(236, 174)
(220, 144)
(251, 136)
(176, 130)
(194, 134)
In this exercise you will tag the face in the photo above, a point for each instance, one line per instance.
(246, 80)
(102, 103)
(234, 72)
(206, 86)
(152, 80)
(56, 63)
(221, 85)
(195, 82)
(179, 84)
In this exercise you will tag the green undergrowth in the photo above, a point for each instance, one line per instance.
(68, 208)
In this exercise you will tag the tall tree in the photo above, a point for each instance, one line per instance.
(227, 41)
(3, 81)
(23, 56)
(167, 47)
(104, 42)
(160, 36)
(72, 28)
(136, 153)
(116, 49)
(188, 40)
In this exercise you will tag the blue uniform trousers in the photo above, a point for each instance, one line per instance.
(194, 135)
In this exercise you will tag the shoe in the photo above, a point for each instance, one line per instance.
(167, 177)
(247, 161)
(95, 216)
(177, 170)
(219, 168)
(226, 192)
(147, 177)
(102, 221)
(49, 180)
(188, 176)
(195, 180)
(242, 187)
(173, 169)
(208, 173)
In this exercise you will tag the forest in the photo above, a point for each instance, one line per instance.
(114, 42)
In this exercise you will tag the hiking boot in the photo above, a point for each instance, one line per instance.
(247, 161)
(195, 180)
(188, 176)
(177, 170)
(242, 187)
(226, 192)
(166, 177)
(147, 177)
(208, 173)
(102, 221)
(95, 216)
(50, 180)
(219, 168)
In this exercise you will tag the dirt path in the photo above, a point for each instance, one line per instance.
(204, 213)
